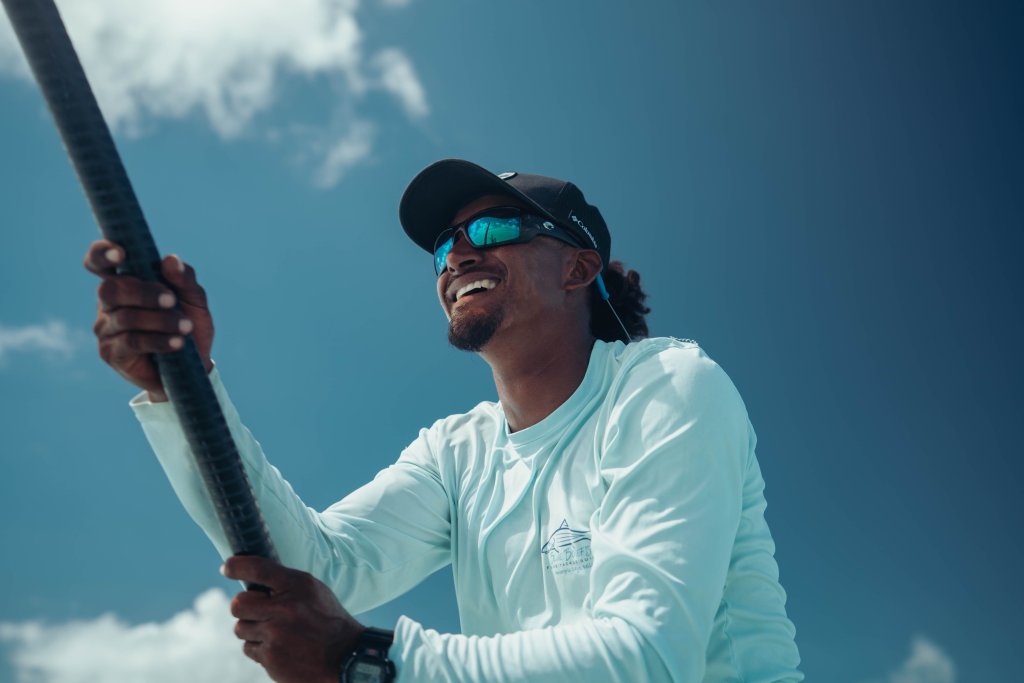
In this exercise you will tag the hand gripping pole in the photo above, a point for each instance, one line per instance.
(103, 177)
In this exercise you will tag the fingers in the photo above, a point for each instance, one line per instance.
(103, 257)
(182, 277)
(125, 290)
(252, 632)
(119, 349)
(253, 651)
(251, 606)
(136, 318)
(252, 609)
(249, 630)
(299, 631)
(123, 320)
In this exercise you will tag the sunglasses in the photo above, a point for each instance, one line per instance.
(496, 227)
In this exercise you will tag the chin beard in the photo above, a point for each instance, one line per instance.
(472, 332)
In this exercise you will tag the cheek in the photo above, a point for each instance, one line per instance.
(542, 278)
(533, 295)
(440, 300)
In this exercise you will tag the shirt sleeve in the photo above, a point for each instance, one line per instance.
(673, 455)
(371, 546)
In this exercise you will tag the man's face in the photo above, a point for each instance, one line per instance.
(520, 282)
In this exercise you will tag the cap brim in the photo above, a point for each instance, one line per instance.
(432, 199)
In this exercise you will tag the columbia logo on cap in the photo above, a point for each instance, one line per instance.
(580, 223)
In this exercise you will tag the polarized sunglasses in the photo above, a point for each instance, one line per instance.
(495, 227)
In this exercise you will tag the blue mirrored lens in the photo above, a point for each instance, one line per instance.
(489, 230)
(441, 254)
(481, 232)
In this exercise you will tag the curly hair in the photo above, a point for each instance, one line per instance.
(627, 297)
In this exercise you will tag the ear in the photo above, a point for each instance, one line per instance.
(583, 269)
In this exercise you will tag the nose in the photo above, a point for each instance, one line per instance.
(462, 254)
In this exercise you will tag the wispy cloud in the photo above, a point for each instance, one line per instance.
(196, 645)
(927, 663)
(397, 76)
(335, 159)
(53, 337)
(225, 62)
(11, 59)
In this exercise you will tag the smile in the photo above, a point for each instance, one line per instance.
(473, 287)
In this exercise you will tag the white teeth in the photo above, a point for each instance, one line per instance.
(484, 284)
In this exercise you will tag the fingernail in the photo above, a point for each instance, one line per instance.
(185, 325)
(223, 570)
(176, 342)
(113, 255)
(166, 300)
(181, 264)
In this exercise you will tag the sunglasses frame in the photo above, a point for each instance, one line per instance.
(530, 226)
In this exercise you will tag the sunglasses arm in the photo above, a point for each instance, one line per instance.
(603, 291)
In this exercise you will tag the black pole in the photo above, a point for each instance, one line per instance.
(102, 175)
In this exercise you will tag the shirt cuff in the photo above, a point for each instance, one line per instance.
(407, 632)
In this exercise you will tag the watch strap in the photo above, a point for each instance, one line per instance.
(373, 645)
(376, 641)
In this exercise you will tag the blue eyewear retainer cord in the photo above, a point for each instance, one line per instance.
(603, 291)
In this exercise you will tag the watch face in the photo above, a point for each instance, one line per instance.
(367, 672)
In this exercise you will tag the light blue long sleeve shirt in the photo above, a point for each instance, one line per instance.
(622, 538)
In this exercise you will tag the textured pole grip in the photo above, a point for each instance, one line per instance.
(91, 148)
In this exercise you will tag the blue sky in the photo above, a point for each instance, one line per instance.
(827, 196)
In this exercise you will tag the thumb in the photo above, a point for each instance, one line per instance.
(257, 570)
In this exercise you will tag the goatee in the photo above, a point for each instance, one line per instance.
(472, 332)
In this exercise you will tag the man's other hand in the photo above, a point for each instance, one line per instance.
(135, 318)
(298, 631)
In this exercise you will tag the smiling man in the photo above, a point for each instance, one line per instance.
(604, 518)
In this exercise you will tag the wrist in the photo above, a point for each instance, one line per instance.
(156, 396)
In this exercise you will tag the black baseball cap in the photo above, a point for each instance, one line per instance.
(435, 195)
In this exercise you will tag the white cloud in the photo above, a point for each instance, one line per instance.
(335, 159)
(927, 663)
(224, 61)
(197, 645)
(53, 337)
(11, 59)
(398, 77)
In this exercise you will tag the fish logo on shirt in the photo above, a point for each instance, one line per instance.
(567, 550)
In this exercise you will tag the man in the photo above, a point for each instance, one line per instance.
(604, 519)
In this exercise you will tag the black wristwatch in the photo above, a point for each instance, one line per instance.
(369, 663)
